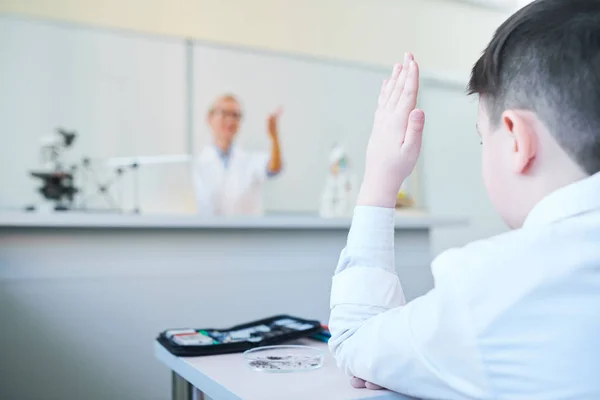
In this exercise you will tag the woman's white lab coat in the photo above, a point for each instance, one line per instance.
(229, 187)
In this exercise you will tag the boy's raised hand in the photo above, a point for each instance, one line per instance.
(395, 141)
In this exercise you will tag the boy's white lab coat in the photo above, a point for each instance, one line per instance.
(514, 317)
(235, 189)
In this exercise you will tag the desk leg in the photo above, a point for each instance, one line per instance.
(198, 395)
(182, 389)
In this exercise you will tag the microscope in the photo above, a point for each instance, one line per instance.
(57, 179)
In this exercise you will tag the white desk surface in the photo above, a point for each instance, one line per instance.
(227, 377)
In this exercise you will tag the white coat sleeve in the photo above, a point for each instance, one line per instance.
(425, 348)
(260, 167)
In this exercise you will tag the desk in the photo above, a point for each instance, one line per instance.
(227, 377)
(73, 278)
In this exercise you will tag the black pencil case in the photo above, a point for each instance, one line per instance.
(265, 332)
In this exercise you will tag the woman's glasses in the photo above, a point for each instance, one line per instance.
(226, 113)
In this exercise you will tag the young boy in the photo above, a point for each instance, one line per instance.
(516, 316)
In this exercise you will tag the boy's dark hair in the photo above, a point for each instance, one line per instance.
(546, 58)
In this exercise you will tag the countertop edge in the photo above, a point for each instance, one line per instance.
(101, 221)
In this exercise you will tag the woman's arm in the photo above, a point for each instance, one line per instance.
(275, 162)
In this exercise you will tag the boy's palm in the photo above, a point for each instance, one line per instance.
(395, 141)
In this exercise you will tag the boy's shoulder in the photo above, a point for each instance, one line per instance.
(521, 247)
(481, 254)
(514, 264)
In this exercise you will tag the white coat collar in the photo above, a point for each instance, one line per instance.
(213, 151)
(577, 198)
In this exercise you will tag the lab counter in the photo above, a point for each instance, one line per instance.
(404, 220)
(96, 289)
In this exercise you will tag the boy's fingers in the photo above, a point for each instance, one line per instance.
(372, 386)
(408, 99)
(391, 83)
(401, 82)
(357, 383)
(414, 134)
(383, 85)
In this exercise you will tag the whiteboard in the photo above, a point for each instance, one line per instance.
(125, 94)
(324, 103)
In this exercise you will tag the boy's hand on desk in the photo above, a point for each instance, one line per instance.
(395, 141)
(358, 383)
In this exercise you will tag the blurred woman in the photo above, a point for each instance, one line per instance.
(228, 179)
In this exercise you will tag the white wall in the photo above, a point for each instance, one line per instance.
(324, 103)
(446, 35)
(123, 93)
(451, 167)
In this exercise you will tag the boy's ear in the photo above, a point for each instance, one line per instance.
(520, 126)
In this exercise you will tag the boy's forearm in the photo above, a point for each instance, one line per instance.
(370, 240)
(365, 284)
(373, 197)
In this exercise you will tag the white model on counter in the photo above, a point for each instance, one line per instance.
(338, 194)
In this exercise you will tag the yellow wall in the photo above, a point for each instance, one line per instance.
(447, 36)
